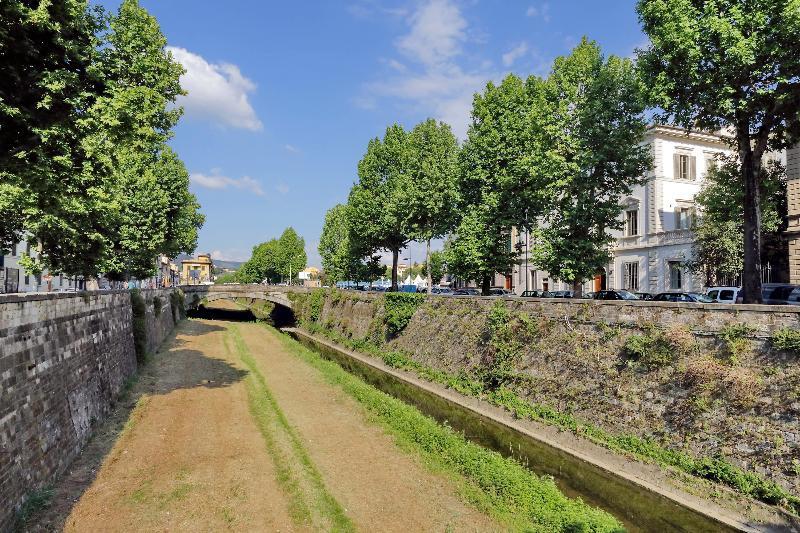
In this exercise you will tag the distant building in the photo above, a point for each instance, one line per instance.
(14, 278)
(197, 270)
(310, 277)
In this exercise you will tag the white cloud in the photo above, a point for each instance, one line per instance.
(291, 148)
(542, 11)
(218, 181)
(282, 188)
(515, 53)
(217, 92)
(231, 254)
(432, 80)
(437, 31)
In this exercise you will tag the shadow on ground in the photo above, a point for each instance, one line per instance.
(168, 370)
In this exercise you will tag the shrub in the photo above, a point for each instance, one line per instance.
(399, 307)
(177, 301)
(735, 343)
(139, 325)
(505, 348)
(787, 339)
(316, 301)
(158, 303)
(659, 347)
(708, 379)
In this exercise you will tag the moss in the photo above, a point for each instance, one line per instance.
(657, 347)
(158, 303)
(735, 342)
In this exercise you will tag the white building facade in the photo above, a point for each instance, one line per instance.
(14, 278)
(649, 253)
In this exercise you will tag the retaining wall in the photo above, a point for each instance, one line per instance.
(64, 359)
(572, 359)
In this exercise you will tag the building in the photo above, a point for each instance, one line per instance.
(14, 278)
(793, 204)
(310, 277)
(649, 253)
(197, 270)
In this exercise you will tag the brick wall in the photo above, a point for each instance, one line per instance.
(64, 358)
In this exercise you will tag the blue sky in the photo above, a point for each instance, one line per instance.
(284, 96)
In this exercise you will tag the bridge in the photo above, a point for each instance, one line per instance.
(195, 294)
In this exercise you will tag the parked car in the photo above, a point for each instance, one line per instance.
(588, 295)
(695, 297)
(776, 293)
(537, 294)
(444, 291)
(615, 295)
(794, 297)
(644, 295)
(724, 295)
(497, 291)
(466, 292)
(563, 294)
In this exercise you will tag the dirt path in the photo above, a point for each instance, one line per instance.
(235, 433)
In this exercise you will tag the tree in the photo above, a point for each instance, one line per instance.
(503, 178)
(340, 260)
(718, 249)
(375, 204)
(436, 266)
(729, 64)
(430, 193)
(48, 53)
(291, 253)
(264, 264)
(596, 119)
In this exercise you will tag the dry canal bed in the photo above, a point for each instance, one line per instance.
(234, 426)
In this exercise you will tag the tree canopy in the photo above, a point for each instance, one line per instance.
(89, 177)
(729, 64)
(275, 260)
(596, 123)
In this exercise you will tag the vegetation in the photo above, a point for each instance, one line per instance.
(90, 115)
(399, 307)
(376, 206)
(731, 64)
(430, 193)
(594, 158)
(35, 502)
(495, 382)
(504, 487)
(787, 339)
(341, 259)
(718, 249)
(735, 342)
(275, 260)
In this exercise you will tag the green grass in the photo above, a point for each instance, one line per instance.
(716, 469)
(295, 471)
(36, 502)
(502, 485)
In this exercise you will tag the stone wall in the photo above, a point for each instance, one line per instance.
(64, 359)
(701, 398)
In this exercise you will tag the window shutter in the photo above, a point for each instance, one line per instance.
(676, 165)
(692, 167)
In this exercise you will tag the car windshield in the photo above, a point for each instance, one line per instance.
(625, 295)
(700, 297)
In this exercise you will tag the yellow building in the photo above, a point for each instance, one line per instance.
(197, 270)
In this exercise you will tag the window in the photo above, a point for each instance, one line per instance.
(713, 294)
(675, 275)
(14, 250)
(631, 222)
(684, 216)
(685, 166)
(726, 295)
(630, 276)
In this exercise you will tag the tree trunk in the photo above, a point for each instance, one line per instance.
(428, 264)
(751, 277)
(395, 255)
(486, 284)
(577, 289)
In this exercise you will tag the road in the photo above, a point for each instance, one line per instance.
(230, 431)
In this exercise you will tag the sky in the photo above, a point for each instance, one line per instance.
(283, 97)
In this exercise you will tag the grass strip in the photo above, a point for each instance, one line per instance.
(716, 469)
(267, 414)
(510, 489)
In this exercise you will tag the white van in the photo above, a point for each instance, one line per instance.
(723, 295)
